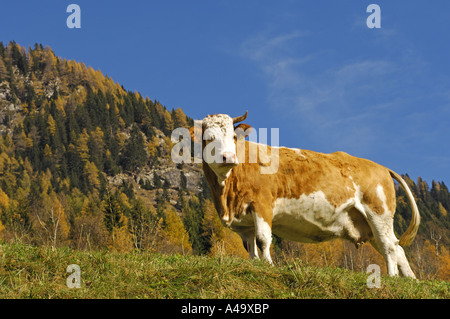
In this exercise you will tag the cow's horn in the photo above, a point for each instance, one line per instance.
(240, 118)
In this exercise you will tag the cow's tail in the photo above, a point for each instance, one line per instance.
(410, 233)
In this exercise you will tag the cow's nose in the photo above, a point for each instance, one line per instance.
(229, 158)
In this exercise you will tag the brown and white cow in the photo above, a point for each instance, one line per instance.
(311, 197)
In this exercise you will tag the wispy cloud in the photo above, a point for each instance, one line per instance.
(346, 102)
(262, 48)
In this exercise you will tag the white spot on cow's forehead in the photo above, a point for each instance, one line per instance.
(219, 120)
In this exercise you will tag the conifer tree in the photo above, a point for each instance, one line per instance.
(193, 216)
(134, 154)
(4, 74)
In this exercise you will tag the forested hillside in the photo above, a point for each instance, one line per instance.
(77, 148)
(85, 163)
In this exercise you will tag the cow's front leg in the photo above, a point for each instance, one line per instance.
(263, 232)
(249, 241)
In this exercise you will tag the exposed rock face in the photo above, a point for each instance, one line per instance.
(166, 172)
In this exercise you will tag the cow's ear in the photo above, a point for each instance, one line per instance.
(196, 138)
(191, 131)
(242, 130)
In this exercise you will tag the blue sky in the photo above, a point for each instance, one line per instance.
(313, 69)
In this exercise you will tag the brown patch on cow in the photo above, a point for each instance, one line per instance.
(300, 173)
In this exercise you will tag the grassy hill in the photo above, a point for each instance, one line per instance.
(40, 272)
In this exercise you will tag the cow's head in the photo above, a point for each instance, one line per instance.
(219, 142)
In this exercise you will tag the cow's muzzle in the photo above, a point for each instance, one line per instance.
(229, 158)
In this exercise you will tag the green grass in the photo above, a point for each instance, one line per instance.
(40, 272)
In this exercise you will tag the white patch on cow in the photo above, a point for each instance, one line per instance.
(263, 233)
(384, 237)
(357, 197)
(382, 196)
(225, 218)
(311, 218)
(298, 151)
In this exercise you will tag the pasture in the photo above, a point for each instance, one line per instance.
(41, 272)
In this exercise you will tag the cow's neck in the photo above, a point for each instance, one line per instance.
(217, 190)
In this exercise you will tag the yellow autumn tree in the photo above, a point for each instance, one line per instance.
(175, 232)
(51, 125)
(442, 210)
(97, 137)
(91, 173)
(45, 181)
(4, 201)
(82, 146)
(4, 206)
(168, 121)
(28, 141)
(152, 146)
(37, 87)
(444, 264)
(4, 74)
(122, 239)
(50, 70)
(60, 214)
(47, 151)
(52, 224)
(223, 240)
(20, 141)
(59, 102)
(8, 167)
(425, 260)
(116, 222)
(180, 118)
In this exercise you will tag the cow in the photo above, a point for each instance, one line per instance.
(310, 197)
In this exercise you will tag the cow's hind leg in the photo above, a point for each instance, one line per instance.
(378, 230)
(403, 264)
(388, 249)
(388, 246)
(379, 213)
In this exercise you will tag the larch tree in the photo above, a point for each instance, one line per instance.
(175, 231)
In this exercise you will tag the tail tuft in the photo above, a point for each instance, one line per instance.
(410, 233)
